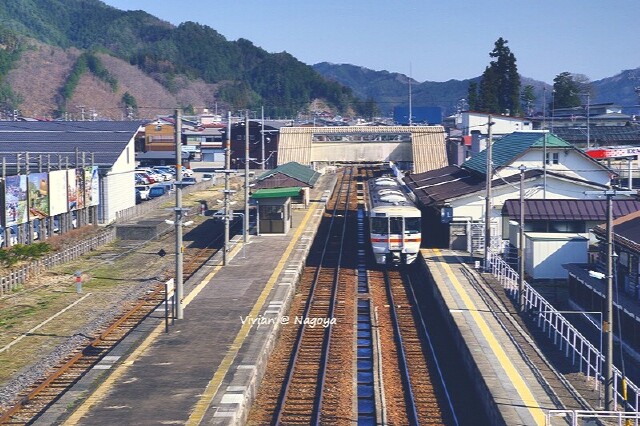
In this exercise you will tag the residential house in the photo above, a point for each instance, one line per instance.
(566, 174)
(263, 139)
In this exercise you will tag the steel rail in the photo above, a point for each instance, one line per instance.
(413, 300)
(279, 409)
(412, 411)
(82, 354)
(315, 417)
(87, 353)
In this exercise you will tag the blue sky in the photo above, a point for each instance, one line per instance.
(427, 39)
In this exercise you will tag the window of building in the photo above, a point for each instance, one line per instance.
(553, 158)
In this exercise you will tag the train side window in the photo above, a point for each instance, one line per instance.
(395, 225)
(379, 225)
(412, 225)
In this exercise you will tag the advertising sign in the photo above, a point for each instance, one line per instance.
(72, 190)
(80, 188)
(15, 200)
(38, 195)
(58, 202)
(91, 186)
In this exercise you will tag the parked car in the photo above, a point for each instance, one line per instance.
(157, 191)
(189, 180)
(155, 176)
(143, 178)
(208, 176)
(164, 173)
(144, 191)
(185, 171)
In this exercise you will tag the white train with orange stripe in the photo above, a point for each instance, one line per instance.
(394, 222)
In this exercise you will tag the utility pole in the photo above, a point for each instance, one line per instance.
(178, 209)
(544, 165)
(227, 191)
(521, 243)
(487, 208)
(246, 176)
(588, 126)
(262, 138)
(607, 325)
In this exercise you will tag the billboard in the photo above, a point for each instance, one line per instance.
(80, 188)
(58, 202)
(38, 184)
(91, 186)
(72, 190)
(15, 200)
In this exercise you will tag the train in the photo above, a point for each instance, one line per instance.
(394, 222)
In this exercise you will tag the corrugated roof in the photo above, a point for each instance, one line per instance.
(447, 183)
(506, 149)
(276, 193)
(428, 148)
(563, 209)
(427, 143)
(293, 170)
(105, 139)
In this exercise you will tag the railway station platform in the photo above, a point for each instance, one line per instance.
(511, 393)
(206, 368)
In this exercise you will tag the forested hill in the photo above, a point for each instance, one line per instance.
(242, 75)
(390, 89)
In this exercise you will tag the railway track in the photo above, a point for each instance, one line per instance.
(301, 398)
(307, 382)
(42, 395)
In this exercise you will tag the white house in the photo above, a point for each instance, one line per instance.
(566, 174)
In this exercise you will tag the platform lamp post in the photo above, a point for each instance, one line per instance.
(607, 322)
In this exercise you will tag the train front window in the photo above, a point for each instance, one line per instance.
(412, 225)
(395, 225)
(379, 225)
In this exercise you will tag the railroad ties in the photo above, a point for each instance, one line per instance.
(361, 368)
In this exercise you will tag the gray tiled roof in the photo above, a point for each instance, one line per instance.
(105, 139)
(564, 209)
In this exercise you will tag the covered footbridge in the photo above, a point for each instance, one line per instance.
(417, 148)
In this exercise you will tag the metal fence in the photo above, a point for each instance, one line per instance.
(17, 277)
(565, 336)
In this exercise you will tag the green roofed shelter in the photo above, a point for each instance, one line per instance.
(288, 175)
(274, 209)
(276, 193)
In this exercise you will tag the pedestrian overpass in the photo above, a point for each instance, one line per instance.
(418, 148)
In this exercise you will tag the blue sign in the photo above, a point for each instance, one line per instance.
(446, 214)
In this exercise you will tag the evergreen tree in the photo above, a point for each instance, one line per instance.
(472, 96)
(567, 89)
(528, 98)
(500, 84)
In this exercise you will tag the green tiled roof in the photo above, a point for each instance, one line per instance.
(505, 150)
(293, 170)
(276, 192)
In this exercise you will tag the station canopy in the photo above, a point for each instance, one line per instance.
(276, 192)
